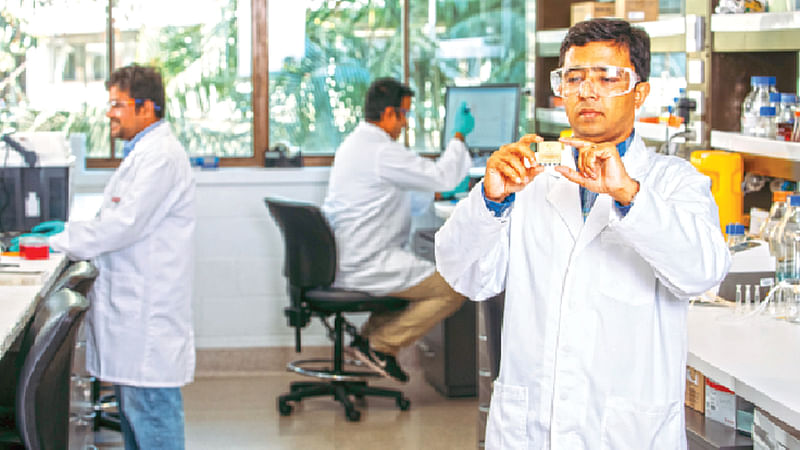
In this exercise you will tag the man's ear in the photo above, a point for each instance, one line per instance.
(388, 112)
(641, 91)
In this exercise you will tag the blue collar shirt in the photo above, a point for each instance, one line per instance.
(129, 145)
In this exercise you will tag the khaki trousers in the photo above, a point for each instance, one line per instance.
(429, 302)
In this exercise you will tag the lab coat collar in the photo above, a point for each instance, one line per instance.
(564, 195)
(372, 128)
(130, 145)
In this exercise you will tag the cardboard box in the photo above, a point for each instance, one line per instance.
(695, 390)
(637, 10)
(581, 11)
(720, 403)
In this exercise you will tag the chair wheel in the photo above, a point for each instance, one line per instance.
(353, 415)
(403, 403)
(284, 408)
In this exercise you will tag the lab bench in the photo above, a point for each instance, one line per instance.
(447, 352)
(755, 357)
(21, 290)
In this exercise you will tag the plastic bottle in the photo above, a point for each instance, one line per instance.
(785, 117)
(796, 129)
(765, 125)
(755, 99)
(734, 233)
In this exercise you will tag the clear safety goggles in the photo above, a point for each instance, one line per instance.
(117, 104)
(605, 81)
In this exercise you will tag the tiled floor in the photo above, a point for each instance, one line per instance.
(239, 412)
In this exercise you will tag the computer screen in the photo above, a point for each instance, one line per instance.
(495, 108)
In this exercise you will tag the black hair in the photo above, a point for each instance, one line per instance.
(620, 32)
(141, 83)
(384, 92)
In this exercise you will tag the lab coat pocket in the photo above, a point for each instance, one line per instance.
(125, 296)
(637, 426)
(508, 418)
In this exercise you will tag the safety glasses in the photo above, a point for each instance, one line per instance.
(117, 104)
(605, 81)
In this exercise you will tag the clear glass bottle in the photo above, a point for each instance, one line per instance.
(785, 117)
(796, 129)
(776, 213)
(734, 233)
(789, 257)
(765, 126)
(755, 99)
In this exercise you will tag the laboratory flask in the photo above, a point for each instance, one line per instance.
(776, 213)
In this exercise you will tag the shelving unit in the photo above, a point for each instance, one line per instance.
(756, 31)
(762, 156)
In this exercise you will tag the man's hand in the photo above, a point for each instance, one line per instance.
(600, 170)
(511, 168)
(464, 122)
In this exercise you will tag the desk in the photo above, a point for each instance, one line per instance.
(19, 302)
(756, 358)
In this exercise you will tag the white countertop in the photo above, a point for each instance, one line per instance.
(19, 302)
(758, 357)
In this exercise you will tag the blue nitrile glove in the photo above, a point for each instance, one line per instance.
(49, 228)
(463, 186)
(464, 122)
(13, 245)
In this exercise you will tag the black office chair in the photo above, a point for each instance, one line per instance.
(79, 276)
(310, 266)
(41, 410)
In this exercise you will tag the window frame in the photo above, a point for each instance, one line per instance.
(259, 100)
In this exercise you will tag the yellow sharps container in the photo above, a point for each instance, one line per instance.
(725, 170)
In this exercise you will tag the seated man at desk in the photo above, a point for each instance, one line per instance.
(369, 209)
(597, 259)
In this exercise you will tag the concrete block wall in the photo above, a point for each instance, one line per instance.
(239, 288)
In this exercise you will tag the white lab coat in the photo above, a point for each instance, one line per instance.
(368, 207)
(139, 326)
(594, 330)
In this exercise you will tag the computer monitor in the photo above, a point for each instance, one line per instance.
(495, 108)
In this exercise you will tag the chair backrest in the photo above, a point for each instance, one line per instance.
(78, 276)
(43, 389)
(310, 248)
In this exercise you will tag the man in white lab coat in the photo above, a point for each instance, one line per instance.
(597, 259)
(368, 207)
(139, 326)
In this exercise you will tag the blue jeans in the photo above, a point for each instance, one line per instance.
(151, 418)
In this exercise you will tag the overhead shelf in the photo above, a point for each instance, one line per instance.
(771, 148)
(762, 156)
(666, 35)
(778, 31)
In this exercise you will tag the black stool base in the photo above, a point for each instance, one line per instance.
(342, 391)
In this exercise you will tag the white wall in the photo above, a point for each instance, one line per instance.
(239, 288)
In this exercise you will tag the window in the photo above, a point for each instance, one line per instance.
(43, 82)
(224, 96)
(457, 42)
(322, 57)
(202, 48)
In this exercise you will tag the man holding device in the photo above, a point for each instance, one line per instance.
(597, 258)
(369, 209)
